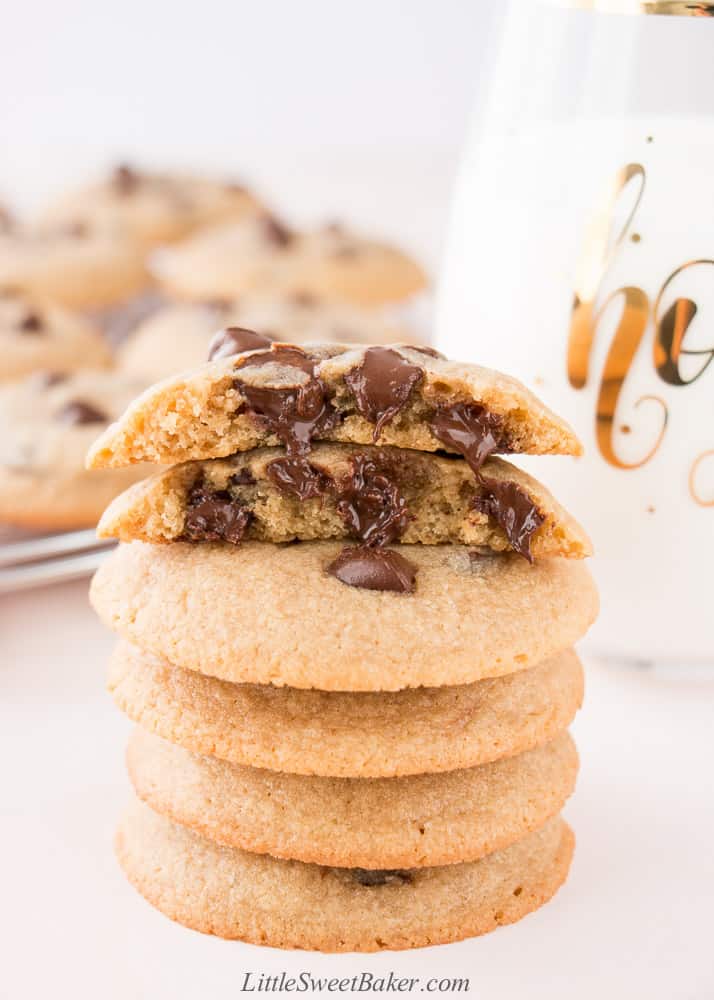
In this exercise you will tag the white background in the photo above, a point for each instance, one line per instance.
(359, 109)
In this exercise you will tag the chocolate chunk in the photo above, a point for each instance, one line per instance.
(276, 232)
(279, 354)
(430, 352)
(76, 413)
(346, 251)
(218, 305)
(214, 516)
(235, 340)
(374, 569)
(118, 321)
(45, 380)
(370, 503)
(242, 478)
(382, 384)
(125, 180)
(471, 430)
(513, 510)
(7, 221)
(306, 300)
(298, 478)
(294, 414)
(31, 323)
(380, 876)
(76, 230)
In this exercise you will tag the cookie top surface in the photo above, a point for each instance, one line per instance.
(345, 491)
(49, 418)
(37, 335)
(152, 207)
(74, 265)
(177, 337)
(397, 395)
(271, 614)
(383, 823)
(290, 904)
(340, 734)
(263, 254)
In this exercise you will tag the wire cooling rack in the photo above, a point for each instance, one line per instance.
(38, 561)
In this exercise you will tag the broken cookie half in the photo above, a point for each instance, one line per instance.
(291, 396)
(375, 495)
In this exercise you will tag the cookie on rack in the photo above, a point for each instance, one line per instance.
(74, 265)
(263, 254)
(36, 335)
(152, 207)
(49, 419)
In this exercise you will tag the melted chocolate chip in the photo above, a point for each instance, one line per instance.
(469, 429)
(476, 433)
(381, 876)
(513, 510)
(294, 414)
(31, 323)
(214, 516)
(276, 232)
(370, 503)
(293, 357)
(242, 478)
(235, 340)
(298, 478)
(382, 384)
(374, 569)
(125, 180)
(76, 413)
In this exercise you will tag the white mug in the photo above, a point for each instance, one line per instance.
(581, 260)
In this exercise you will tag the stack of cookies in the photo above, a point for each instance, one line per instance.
(346, 634)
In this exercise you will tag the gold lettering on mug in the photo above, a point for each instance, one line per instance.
(693, 492)
(672, 325)
(599, 250)
(671, 330)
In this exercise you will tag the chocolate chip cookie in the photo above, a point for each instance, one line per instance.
(37, 335)
(272, 614)
(263, 254)
(49, 419)
(364, 493)
(410, 822)
(289, 904)
(152, 207)
(409, 397)
(72, 264)
(345, 735)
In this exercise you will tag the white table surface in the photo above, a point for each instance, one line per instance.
(634, 919)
